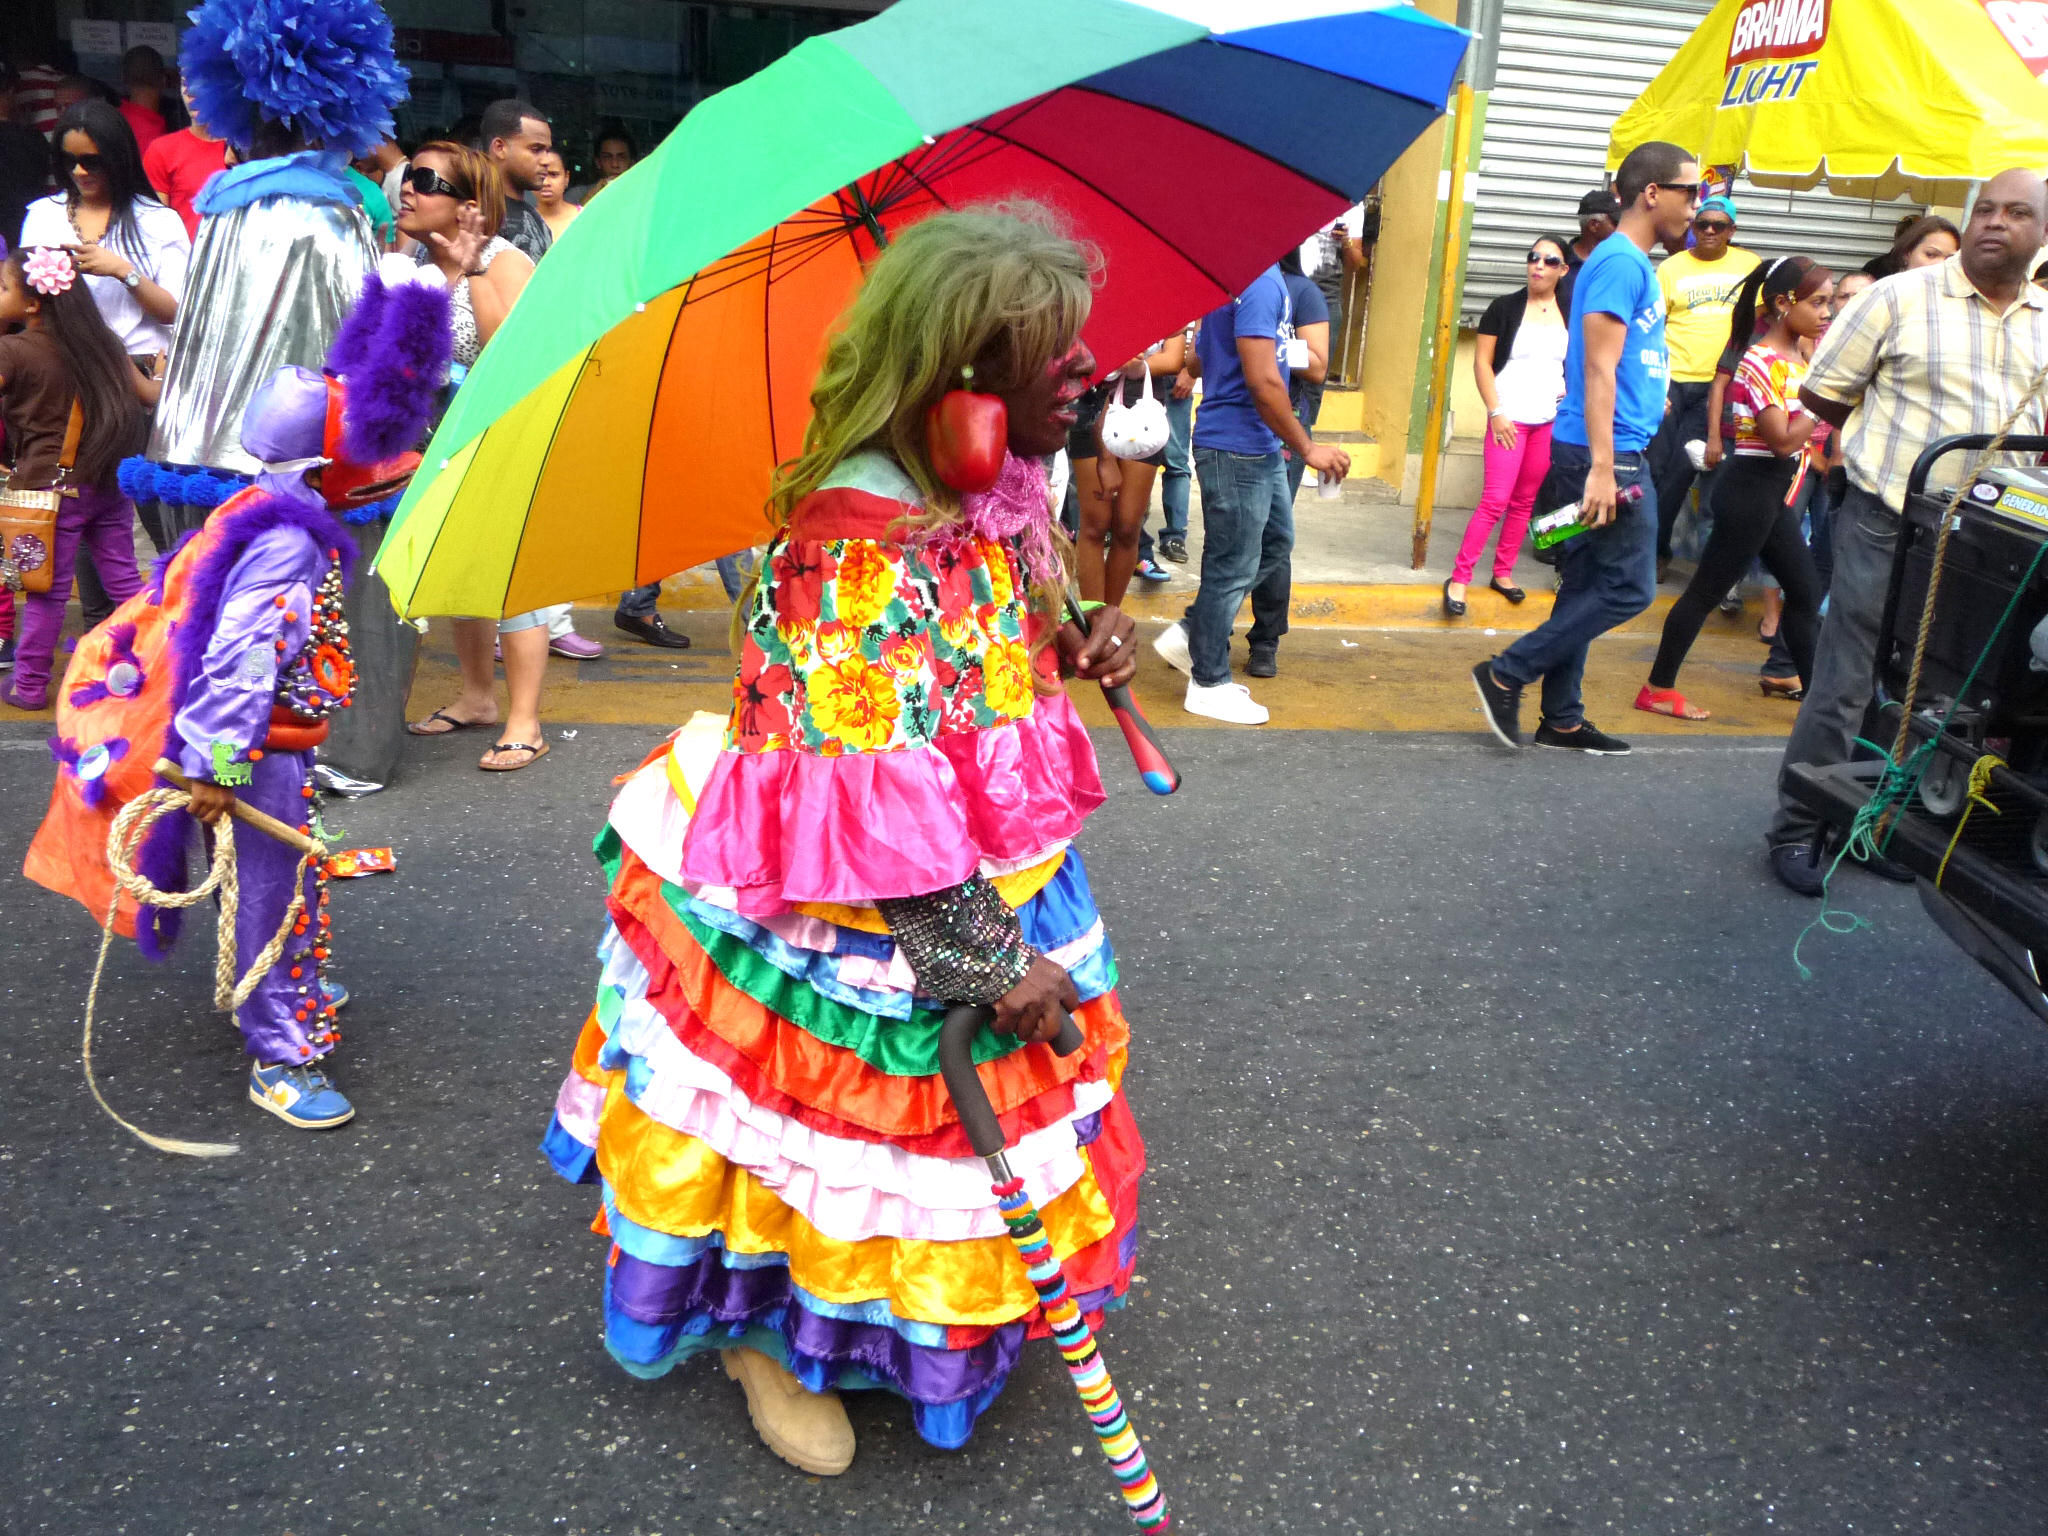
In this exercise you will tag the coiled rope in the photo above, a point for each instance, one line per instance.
(130, 827)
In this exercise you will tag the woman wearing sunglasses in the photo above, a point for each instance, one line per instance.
(451, 206)
(131, 248)
(1519, 365)
(132, 251)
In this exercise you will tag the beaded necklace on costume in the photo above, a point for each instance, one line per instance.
(322, 678)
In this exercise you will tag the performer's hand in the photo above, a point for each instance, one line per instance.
(1032, 1009)
(211, 801)
(1108, 653)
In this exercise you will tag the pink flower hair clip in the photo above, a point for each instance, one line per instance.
(49, 270)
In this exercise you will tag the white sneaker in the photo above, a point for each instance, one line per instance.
(1231, 703)
(1172, 645)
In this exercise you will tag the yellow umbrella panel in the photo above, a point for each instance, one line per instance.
(1871, 98)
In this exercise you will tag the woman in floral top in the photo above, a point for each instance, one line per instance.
(1756, 500)
(883, 829)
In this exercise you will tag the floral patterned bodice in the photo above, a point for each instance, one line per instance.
(867, 637)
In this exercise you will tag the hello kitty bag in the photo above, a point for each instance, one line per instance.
(1137, 430)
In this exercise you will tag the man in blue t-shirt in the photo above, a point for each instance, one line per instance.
(1247, 510)
(1615, 372)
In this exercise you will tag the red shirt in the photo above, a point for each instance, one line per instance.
(148, 125)
(178, 165)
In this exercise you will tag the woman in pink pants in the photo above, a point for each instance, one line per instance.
(1520, 369)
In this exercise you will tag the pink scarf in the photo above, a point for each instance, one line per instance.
(1019, 506)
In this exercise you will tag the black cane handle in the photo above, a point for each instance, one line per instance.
(956, 1065)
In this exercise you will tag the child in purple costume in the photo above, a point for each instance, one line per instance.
(255, 699)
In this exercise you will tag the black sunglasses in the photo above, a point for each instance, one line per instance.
(1712, 226)
(1538, 259)
(428, 182)
(1691, 189)
(92, 165)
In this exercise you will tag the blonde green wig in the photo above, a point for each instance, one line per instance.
(1000, 290)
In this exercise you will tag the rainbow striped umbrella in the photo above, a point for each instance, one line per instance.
(624, 422)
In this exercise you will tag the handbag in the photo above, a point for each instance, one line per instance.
(1137, 430)
(28, 521)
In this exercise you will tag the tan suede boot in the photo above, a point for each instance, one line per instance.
(806, 1429)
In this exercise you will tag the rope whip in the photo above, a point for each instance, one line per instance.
(130, 827)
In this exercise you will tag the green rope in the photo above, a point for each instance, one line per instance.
(1896, 787)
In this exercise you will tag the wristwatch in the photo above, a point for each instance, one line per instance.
(132, 279)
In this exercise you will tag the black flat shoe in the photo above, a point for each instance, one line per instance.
(1511, 592)
(651, 630)
(1453, 607)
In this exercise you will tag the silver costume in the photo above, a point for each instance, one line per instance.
(269, 285)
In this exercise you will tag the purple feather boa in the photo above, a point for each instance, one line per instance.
(393, 349)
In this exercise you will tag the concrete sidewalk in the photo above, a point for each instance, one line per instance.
(1352, 569)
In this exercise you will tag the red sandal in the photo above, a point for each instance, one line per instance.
(1670, 703)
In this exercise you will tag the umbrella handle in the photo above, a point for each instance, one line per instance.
(1154, 767)
(956, 1065)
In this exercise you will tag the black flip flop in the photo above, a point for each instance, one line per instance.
(413, 727)
(1511, 592)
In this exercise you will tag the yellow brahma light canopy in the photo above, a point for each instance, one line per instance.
(1870, 98)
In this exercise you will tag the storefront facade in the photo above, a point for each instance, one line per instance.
(639, 63)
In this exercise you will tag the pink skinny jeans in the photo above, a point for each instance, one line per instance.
(1513, 477)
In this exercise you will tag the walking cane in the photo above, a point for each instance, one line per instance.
(1160, 776)
(1070, 1330)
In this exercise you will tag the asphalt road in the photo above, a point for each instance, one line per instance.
(1505, 1177)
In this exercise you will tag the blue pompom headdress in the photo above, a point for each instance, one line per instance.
(322, 67)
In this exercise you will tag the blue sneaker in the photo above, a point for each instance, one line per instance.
(303, 1096)
(335, 994)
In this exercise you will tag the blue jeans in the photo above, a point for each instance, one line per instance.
(1173, 480)
(1247, 542)
(1604, 578)
(641, 602)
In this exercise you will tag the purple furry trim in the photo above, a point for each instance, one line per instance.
(161, 565)
(238, 525)
(162, 861)
(395, 383)
(354, 342)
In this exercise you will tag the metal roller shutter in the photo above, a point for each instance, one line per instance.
(1568, 69)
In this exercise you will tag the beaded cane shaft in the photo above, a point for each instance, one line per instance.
(1076, 1340)
(1070, 1330)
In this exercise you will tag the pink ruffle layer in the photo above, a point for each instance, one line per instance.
(784, 827)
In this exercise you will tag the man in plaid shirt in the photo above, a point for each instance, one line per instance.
(1944, 349)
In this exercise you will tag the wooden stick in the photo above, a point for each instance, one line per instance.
(243, 812)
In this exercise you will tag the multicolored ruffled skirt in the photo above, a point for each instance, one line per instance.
(758, 1099)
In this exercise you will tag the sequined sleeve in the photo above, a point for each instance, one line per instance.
(264, 618)
(963, 943)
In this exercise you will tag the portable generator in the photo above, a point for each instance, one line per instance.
(1983, 693)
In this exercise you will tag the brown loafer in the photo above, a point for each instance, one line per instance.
(809, 1430)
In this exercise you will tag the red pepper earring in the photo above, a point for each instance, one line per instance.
(965, 436)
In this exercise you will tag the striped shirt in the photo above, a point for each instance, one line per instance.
(1925, 355)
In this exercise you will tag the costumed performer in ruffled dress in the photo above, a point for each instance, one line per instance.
(884, 828)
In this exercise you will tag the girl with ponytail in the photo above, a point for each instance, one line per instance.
(1782, 305)
(63, 353)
